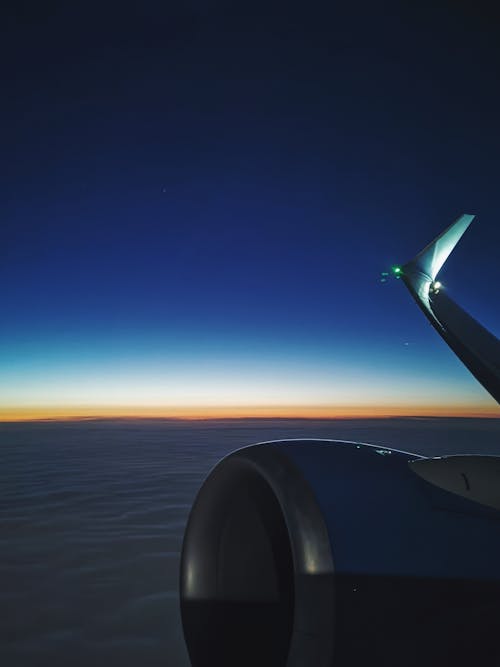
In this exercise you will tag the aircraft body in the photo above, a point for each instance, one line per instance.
(325, 553)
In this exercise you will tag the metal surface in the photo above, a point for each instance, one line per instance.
(371, 563)
(474, 345)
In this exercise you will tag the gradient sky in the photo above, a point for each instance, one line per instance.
(198, 200)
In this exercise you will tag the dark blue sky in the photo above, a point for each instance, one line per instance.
(197, 201)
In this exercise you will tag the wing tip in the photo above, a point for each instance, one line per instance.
(431, 259)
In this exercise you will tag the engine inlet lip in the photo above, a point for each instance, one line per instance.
(313, 569)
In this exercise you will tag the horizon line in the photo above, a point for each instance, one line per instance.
(93, 413)
(76, 420)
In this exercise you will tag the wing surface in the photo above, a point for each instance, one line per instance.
(475, 346)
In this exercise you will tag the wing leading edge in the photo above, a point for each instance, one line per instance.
(475, 346)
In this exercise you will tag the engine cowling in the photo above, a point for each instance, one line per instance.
(336, 554)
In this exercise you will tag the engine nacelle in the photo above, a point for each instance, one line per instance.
(314, 553)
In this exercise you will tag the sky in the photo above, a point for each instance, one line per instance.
(198, 199)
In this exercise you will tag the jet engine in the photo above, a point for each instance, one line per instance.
(337, 554)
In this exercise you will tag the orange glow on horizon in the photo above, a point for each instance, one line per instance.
(243, 412)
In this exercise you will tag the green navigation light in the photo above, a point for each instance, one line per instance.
(396, 269)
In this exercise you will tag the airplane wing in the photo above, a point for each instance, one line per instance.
(474, 345)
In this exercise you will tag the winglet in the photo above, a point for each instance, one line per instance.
(474, 345)
(420, 273)
(433, 256)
